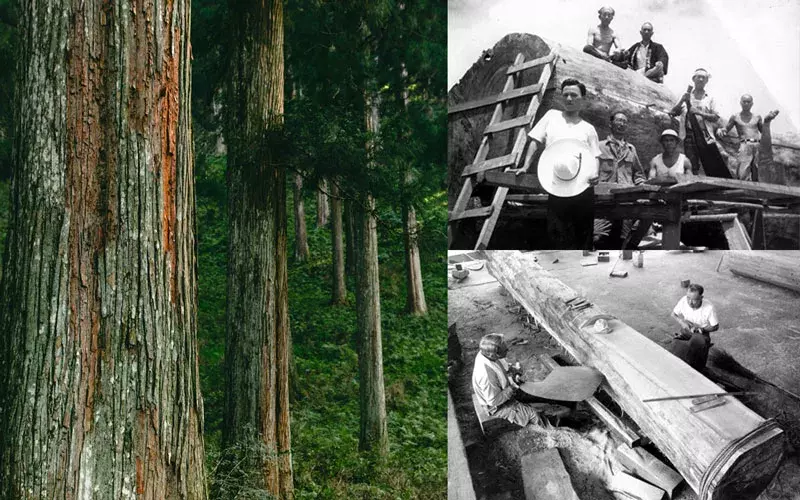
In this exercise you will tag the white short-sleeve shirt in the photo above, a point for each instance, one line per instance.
(704, 316)
(552, 127)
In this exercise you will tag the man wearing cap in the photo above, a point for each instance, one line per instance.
(620, 164)
(494, 385)
(648, 57)
(670, 163)
(697, 319)
(749, 127)
(699, 103)
(567, 170)
(601, 38)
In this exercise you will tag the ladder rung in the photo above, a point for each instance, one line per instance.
(530, 64)
(472, 213)
(521, 121)
(494, 163)
(488, 101)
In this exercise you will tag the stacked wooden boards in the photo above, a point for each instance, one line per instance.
(723, 452)
(776, 268)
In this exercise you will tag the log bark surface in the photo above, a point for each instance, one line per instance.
(776, 268)
(722, 452)
(98, 352)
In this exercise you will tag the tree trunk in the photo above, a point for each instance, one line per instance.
(257, 347)
(339, 295)
(415, 293)
(101, 394)
(350, 237)
(372, 401)
(300, 234)
(322, 203)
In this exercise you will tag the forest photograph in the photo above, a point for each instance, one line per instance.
(222, 229)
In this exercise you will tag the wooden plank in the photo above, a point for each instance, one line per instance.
(643, 464)
(495, 163)
(525, 182)
(736, 235)
(520, 121)
(712, 218)
(472, 213)
(757, 188)
(724, 452)
(531, 64)
(617, 426)
(779, 269)
(635, 488)
(545, 478)
(495, 99)
(459, 479)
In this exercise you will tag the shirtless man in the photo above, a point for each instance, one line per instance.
(749, 128)
(601, 38)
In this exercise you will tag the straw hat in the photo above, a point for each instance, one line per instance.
(565, 167)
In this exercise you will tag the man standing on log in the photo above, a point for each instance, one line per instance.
(699, 103)
(602, 38)
(749, 127)
(620, 164)
(697, 319)
(494, 384)
(570, 219)
(648, 57)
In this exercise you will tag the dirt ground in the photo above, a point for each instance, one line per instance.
(480, 306)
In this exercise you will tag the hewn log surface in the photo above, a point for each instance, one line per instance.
(545, 477)
(721, 452)
(777, 268)
(459, 479)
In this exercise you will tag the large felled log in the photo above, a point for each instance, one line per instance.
(459, 480)
(609, 88)
(723, 452)
(779, 269)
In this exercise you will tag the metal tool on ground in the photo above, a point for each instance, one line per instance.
(693, 396)
(617, 274)
(460, 273)
(603, 257)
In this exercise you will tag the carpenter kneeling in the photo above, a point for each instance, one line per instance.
(697, 319)
(496, 386)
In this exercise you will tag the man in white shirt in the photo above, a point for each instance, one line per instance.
(494, 385)
(697, 319)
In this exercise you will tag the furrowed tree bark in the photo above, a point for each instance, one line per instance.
(373, 435)
(300, 233)
(323, 211)
(415, 293)
(258, 343)
(339, 295)
(98, 353)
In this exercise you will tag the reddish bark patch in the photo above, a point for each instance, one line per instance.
(139, 477)
(169, 108)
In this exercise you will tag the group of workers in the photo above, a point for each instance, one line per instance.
(496, 383)
(570, 217)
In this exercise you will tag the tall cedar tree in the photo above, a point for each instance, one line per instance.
(257, 348)
(100, 395)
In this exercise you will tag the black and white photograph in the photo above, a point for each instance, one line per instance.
(660, 124)
(623, 375)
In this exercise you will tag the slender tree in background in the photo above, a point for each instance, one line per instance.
(415, 293)
(100, 395)
(323, 211)
(300, 233)
(373, 435)
(257, 348)
(339, 295)
(349, 238)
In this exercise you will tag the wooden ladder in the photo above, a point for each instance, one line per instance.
(473, 173)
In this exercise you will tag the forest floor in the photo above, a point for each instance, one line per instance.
(479, 305)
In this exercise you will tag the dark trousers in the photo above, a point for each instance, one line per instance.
(693, 351)
(570, 221)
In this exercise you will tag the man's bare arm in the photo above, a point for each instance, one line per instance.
(533, 146)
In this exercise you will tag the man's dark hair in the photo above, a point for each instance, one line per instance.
(694, 287)
(615, 113)
(572, 81)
